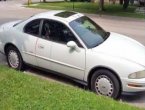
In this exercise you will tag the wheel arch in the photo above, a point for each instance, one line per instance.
(106, 68)
(7, 45)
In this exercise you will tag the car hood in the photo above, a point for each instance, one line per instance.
(9, 25)
(124, 47)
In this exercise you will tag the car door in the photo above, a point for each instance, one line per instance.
(64, 59)
(30, 37)
(43, 47)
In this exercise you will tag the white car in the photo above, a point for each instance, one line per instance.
(71, 44)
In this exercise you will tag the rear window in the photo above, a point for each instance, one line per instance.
(65, 14)
(22, 21)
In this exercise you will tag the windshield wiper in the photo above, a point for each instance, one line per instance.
(107, 34)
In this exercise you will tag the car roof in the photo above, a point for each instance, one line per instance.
(59, 15)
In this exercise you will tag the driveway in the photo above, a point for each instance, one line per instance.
(134, 28)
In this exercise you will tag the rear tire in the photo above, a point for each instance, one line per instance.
(14, 58)
(104, 82)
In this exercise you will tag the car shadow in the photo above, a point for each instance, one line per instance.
(137, 97)
(52, 77)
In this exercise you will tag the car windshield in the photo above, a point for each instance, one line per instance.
(91, 33)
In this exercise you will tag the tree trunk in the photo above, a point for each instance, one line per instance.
(114, 1)
(93, 1)
(101, 5)
(44, 1)
(121, 2)
(132, 2)
(125, 5)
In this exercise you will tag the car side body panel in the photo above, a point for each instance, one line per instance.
(24, 42)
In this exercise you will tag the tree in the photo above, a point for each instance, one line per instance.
(125, 5)
(44, 1)
(101, 3)
(93, 1)
(121, 2)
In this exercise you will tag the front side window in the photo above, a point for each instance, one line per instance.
(33, 27)
(57, 32)
(91, 34)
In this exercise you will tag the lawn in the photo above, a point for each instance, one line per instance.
(19, 91)
(86, 7)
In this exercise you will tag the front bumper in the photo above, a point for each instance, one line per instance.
(1, 47)
(133, 85)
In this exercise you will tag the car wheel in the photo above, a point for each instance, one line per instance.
(104, 82)
(14, 58)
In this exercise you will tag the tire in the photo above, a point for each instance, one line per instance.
(14, 58)
(104, 82)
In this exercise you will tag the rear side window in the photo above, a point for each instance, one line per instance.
(33, 27)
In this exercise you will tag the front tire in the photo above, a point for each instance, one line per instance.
(14, 58)
(104, 82)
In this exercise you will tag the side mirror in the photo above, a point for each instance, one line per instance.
(73, 45)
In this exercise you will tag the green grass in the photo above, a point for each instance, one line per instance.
(85, 7)
(19, 91)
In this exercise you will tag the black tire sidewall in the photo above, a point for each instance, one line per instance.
(113, 78)
(20, 66)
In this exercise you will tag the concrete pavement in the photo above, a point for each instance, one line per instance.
(135, 28)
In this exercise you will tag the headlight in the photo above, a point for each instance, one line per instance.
(137, 75)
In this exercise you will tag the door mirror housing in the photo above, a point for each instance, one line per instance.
(73, 45)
